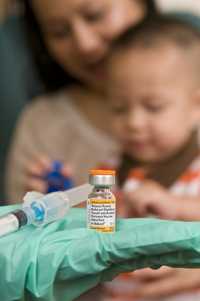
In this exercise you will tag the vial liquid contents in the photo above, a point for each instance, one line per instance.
(101, 203)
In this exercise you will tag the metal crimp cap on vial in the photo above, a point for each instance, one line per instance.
(102, 177)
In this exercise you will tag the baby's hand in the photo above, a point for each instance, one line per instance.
(165, 282)
(151, 198)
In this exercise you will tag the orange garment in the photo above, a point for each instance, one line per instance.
(188, 184)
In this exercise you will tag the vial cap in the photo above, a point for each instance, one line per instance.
(102, 177)
(102, 172)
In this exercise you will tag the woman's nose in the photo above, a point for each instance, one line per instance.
(89, 43)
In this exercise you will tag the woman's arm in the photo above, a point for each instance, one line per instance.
(26, 161)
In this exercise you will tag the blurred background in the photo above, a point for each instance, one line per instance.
(19, 81)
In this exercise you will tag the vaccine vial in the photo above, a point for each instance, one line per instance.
(101, 203)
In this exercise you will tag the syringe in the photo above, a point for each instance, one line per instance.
(39, 209)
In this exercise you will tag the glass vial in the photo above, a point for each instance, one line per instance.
(101, 203)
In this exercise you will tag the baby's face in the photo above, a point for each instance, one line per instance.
(153, 106)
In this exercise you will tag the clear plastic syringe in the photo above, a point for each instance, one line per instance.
(39, 209)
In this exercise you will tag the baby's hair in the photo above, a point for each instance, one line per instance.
(163, 30)
(160, 29)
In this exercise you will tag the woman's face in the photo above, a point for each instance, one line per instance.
(78, 33)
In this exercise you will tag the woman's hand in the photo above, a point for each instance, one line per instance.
(35, 171)
(165, 282)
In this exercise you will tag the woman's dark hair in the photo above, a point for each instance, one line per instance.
(52, 74)
(151, 7)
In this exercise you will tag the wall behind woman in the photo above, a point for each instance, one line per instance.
(17, 83)
(4, 5)
(192, 6)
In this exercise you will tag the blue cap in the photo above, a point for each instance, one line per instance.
(56, 180)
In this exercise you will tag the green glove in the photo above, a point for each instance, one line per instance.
(62, 260)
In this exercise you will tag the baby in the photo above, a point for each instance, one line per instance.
(154, 87)
(154, 91)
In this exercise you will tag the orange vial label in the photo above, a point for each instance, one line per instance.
(101, 214)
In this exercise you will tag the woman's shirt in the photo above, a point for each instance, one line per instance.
(51, 125)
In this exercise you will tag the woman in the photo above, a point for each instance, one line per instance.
(69, 37)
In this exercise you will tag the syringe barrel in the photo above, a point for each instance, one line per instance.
(46, 209)
(8, 224)
(12, 221)
(43, 209)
